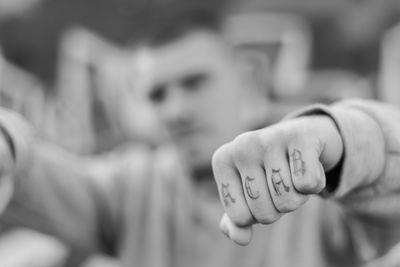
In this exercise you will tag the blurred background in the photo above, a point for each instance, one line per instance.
(59, 63)
(311, 50)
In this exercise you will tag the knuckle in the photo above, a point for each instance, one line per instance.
(244, 148)
(265, 137)
(266, 217)
(241, 218)
(267, 142)
(291, 134)
(243, 138)
(289, 205)
(320, 186)
(264, 213)
(221, 155)
(282, 133)
(309, 184)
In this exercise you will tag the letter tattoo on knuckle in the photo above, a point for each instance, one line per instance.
(278, 182)
(298, 163)
(226, 194)
(250, 192)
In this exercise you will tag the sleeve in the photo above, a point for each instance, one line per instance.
(56, 196)
(57, 192)
(367, 182)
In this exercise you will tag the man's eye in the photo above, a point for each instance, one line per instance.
(194, 82)
(158, 94)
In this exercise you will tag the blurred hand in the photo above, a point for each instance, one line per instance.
(264, 174)
(391, 259)
(7, 165)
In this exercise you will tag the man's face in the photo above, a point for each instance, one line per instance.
(195, 88)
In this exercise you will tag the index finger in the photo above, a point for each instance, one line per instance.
(230, 187)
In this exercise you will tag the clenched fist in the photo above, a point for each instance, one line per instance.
(265, 173)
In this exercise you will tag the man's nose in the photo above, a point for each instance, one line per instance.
(177, 107)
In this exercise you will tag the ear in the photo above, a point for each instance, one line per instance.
(255, 70)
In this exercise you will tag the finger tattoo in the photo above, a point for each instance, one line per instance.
(298, 163)
(278, 182)
(226, 194)
(252, 194)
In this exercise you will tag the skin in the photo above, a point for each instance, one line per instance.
(197, 88)
(263, 154)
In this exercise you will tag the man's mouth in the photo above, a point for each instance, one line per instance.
(185, 132)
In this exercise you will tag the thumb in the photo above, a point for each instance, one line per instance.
(240, 235)
(331, 143)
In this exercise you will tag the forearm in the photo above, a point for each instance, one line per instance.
(362, 161)
(367, 181)
(55, 196)
(370, 132)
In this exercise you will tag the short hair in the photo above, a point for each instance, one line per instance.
(160, 24)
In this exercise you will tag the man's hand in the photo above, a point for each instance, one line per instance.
(7, 166)
(390, 259)
(263, 174)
